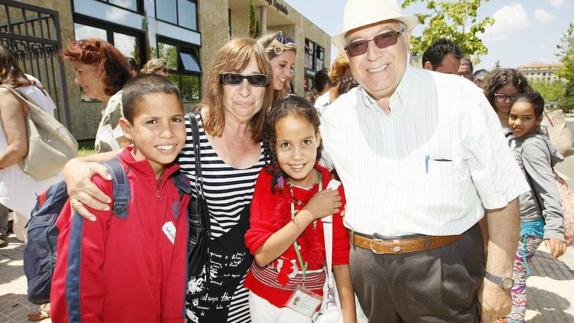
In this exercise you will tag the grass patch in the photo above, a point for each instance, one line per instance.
(83, 152)
(86, 148)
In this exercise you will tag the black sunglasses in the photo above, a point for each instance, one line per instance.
(236, 79)
(383, 40)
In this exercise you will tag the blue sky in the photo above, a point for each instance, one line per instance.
(523, 32)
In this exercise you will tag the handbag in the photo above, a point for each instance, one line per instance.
(50, 144)
(567, 199)
(199, 226)
(558, 131)
(330, 311)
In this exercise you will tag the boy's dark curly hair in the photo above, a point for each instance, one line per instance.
(291, 105)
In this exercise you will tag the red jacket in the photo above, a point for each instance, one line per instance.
(269, 213)
(124, 270)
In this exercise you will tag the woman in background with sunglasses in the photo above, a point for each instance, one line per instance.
(281, 51)
(230, 121)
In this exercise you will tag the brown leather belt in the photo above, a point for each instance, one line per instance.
(398, 246)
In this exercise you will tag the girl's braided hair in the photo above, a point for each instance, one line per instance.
(291, 105)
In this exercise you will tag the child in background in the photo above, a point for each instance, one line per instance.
(286, 233)
(541, 216)
(131, 269)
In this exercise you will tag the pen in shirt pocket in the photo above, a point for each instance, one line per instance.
(429, 158)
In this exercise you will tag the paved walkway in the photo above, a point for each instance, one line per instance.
(550, 292)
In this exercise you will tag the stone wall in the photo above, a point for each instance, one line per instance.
(213, 26)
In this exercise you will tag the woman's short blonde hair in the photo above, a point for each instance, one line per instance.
(153, 65)
(234, 56)
(339, 67)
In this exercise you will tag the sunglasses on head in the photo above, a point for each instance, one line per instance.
(236, 79)
(383, 40)
(283, 39)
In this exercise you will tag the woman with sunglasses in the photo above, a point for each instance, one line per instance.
(230, 121)
(501, 88)
(281, 51)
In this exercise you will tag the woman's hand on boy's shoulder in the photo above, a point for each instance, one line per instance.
(82, 191)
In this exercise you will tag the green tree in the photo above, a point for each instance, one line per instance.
(552, 92)
(566, 54)
(449, 19)
(254, 30)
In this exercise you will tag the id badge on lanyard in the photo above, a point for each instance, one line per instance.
(303, 300)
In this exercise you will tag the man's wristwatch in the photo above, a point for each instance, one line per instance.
(504, 282)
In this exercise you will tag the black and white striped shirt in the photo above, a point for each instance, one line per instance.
(228, 191)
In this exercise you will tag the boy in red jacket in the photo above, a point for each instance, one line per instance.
(131, 269)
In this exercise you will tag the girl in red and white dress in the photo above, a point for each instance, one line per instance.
(286, 234)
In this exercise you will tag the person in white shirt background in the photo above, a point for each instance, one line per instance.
(420, 154)
(18, 190)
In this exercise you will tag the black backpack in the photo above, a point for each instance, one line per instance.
(40, 252)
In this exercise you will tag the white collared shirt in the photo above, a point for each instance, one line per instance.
(430, 166)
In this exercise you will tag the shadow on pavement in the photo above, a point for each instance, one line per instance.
(550, 307)
(15, 308)
(543, 265)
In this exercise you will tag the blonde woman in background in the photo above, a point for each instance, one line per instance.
(340, 75)
(155, 66)
(281, 52)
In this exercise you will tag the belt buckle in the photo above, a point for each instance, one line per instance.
(372, 248)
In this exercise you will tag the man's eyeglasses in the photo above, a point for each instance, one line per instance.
(504, 97)
(236, 79)
(383, 40)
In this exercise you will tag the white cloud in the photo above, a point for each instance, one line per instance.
(557, 3)
(542, 16)
(507, 21)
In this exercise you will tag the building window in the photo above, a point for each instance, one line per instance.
(178, 12)
(314, 61)
(309, 54)
(127, 42)
(184, 68)
(132, 5)
(320, 63)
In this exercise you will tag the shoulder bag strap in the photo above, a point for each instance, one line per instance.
(121, 187)
(197, 155)
(531, 183)
(31, 105)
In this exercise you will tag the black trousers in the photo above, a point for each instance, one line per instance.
(437, 285)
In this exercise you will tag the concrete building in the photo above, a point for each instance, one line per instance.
(540, 72)
(184, 32)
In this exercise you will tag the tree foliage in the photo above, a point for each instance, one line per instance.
(566, 54)
(552, 92)
(254, 30)
(449, 19)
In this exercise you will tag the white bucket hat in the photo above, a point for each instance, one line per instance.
(359, 13)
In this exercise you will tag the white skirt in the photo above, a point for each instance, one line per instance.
(264, 312)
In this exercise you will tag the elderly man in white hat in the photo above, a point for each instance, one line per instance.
(421, 155)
